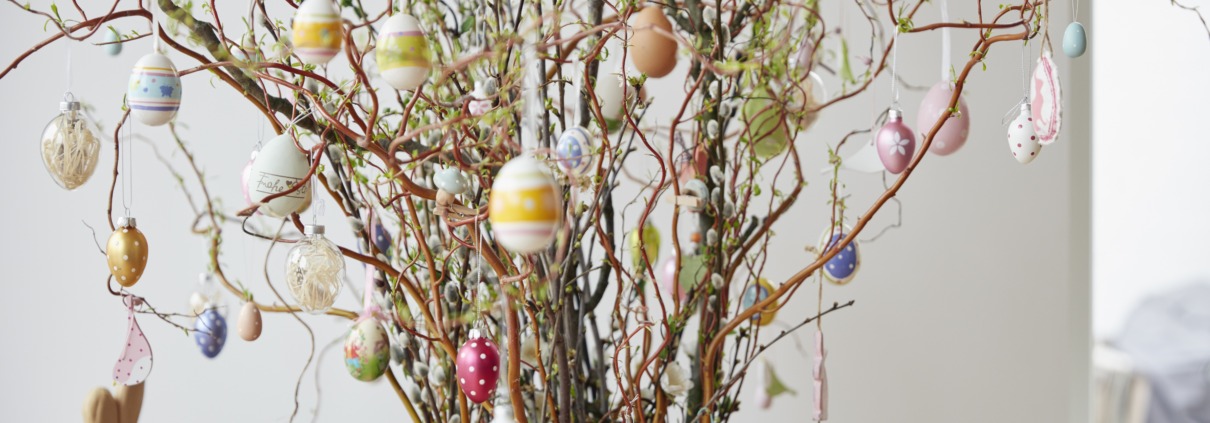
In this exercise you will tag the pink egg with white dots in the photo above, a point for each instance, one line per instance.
(478, 368)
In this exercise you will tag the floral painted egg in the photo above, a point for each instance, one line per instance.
(403, 53)
(126, 252)
(154, 93)
(210, 332)
(648, 241)
(765, 123)
(652, 47)
(574, 154)
(478, 368)
(249, 323)
(1022, 140)
(844, 265)
(1045, 97)
(367, 350)
(318, 33)
(277, 167)
(896, 143)
(1075, 40)
(525, 206)
(954, 132)
(758, 292)
(114, 43)
(614, 95)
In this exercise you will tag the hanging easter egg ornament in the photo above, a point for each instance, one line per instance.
(1045, 97)
(403, 53)
(134, 365)
(574, 153)
(647, 239)
(249, 323)
(277, 167)
(756, 293)
(652, 47)
(113, 42)
(954, 131)
(896, 143)
(478, 367)
(70, 147)
(691, 164)
(210, 332)
(154, 94)
(1075, 40)
(451, 180)
(614, 96)
(697, 189)
(318, 33)
(367, 350)
(313, 269)
(1022, 140)
(766, 125)
(525, 206)
(693, 270)
(126, 252)
(843, 266)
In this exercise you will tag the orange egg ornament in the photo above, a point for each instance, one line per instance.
(652, 48)
(127, 252)
(525, 206)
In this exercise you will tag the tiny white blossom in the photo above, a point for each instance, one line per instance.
(676, 380)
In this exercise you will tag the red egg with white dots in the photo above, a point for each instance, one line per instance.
(478, 368)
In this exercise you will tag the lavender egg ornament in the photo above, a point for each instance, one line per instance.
(210, 332)
(842, 267)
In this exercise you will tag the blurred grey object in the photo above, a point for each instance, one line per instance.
(1120, 394)
(1168, 339)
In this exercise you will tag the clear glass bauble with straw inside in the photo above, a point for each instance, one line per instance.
(313, 271)
(70, 147)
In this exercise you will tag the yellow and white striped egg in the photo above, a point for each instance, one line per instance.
(403, 53)
(318, 34)
(525, 206)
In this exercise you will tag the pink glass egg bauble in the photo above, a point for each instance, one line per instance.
(478, 368)
(896, 143)
(665, 273)
(953, 133)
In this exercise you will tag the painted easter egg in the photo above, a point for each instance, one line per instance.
(1045, 97)
(318, 33)
(693, 270)
(1075, 40)
(691, 164)
(954, 131)
(381, 238)
(574, 153)
(126, 252)
(652, 47)
(451, 180)
(613, 97)
(249, 323)
(114, 45)
(134, 365)
(210, 332)
(756, 293)
(478, 368)
(154, 94)
(765, 123)
(649, 241)
(896, 143)
(525, 206)
(1022, 140)
(277, 167)
(403, 53)
(844, 265)
(367, 350)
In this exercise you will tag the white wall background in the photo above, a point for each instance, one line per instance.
(964, 314)
(1149, 161)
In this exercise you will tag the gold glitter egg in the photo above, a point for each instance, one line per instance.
(127, 252)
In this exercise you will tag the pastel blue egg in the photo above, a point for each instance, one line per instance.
(574, 152)
(112, 37)
(843, 266)
(451, 180)
(1075, 40)
(210, 332)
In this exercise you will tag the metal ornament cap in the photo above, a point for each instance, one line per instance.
(313, 229)
(127, 222)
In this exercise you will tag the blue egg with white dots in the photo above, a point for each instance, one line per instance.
(210, 332)
(381, 238)
(1075, 40)
(843, 266)
(574, 153)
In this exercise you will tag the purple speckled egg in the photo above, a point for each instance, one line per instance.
(896, 143)
(210, 332)
(478, 368)
(953, 133)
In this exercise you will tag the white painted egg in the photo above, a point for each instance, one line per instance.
(1022, 140)
(154, 93)
(403, 53)
(612, 93)
(278, 166)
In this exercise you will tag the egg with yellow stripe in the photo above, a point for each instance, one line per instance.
(154, 93)
(525, 206)
(403, 53)
(318, 33)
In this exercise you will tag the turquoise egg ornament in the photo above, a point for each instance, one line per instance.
(1075, 40)
(114, 47)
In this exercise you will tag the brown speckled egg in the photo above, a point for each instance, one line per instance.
(249, 322)
(653, 52)
(127, 253)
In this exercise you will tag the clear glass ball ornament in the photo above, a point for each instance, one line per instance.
(313, 269)
(70, 147)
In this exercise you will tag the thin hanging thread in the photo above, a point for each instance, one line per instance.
(894, 68)
(68, 67)
(945, 41)
(1075, 10)
(127, 169)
